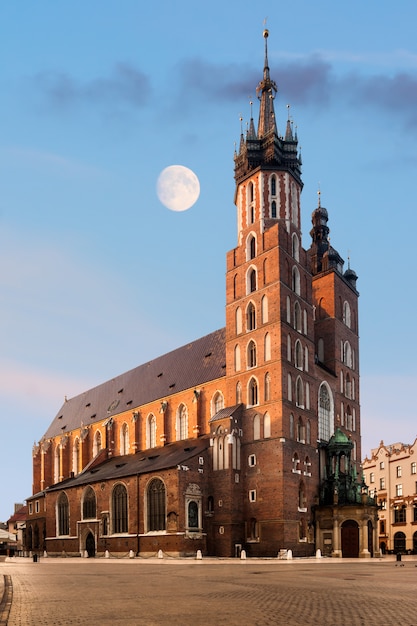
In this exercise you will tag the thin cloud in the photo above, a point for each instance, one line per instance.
(308, 81)
(125, 85)
(44, 389)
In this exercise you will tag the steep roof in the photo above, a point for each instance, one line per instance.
(191, 365)
(175, 454)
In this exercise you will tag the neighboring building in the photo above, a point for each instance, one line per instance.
(246, 438)
(391, 473)
(17, 526)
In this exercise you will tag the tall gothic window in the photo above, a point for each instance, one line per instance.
(97, 443)
(119, 509)
(252, 392)
(325, 413)
(63, 514)
(182, 422)
(151, 431)
(89, 504)
(124, 439)
(156, 507)
(251, 356)
(251, 317)
(76, 456)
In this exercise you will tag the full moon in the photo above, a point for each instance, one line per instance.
(178, 187)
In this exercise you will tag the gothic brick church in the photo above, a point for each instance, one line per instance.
(248, 438)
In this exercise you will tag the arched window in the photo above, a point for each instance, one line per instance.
(299, 393)
(301, 433)
(56, 464)
(89, 504)
(346, 314)
(252, 392)
(307, 467)
(235, 286)
(326, 422)
(156, 505)
(288, 310)
(308, 432)
(220, 450)
(182, 422)
(238, 393)
(296, 464)
(349, 418)
(267, 347)
(295, 247)
(76, 456)
(267, 425)
(298, 355)
(291, 426)
(119, 509)
(97, 443)
(251, 280)
(124, 439)
(306, 358)
(348, 387)
(151, 431)
(302, 501)
(251, 354)
(251, 317)
(250, 192)
(307, 397)
(238, 320)
(273, 209)
(264, 309)
(63, 514)
(237, 358)
(296, 280)
(297, 317)
(267, 388)
(217, 403)
(347, 354)
(273, 185)
(289, 348)
(250, 248)
(192, 515)
(257, 427)
(289, 390)
(253, 529)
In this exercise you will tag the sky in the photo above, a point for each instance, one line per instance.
(97, 98)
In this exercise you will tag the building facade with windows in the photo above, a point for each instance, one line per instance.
(223, 444)
(391, 473)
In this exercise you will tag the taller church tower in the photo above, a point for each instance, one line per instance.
(270, 351)
(291, 343)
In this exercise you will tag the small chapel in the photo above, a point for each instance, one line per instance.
(246, 439)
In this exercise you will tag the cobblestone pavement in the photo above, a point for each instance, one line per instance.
(255, 592)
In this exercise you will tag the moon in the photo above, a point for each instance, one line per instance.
(178, 188)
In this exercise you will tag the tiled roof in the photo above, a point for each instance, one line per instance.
(230, 411)
(173, 454)
(19, 515)
(189, 366)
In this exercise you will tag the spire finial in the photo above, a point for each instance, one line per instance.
(319, 197)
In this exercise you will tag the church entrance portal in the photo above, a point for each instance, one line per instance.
(90, 545)
(350, 539)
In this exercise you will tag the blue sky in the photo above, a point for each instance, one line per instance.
(97, 98)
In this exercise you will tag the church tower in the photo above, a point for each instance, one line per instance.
(270, 335)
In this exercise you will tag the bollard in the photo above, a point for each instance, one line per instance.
(199, 555)
(106, 554)
(243, 555)
(131, 554)
(160, 554)
(318, 554)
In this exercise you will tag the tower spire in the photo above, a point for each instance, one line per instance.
(266, 91)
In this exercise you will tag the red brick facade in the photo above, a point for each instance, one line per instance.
(238, 421)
